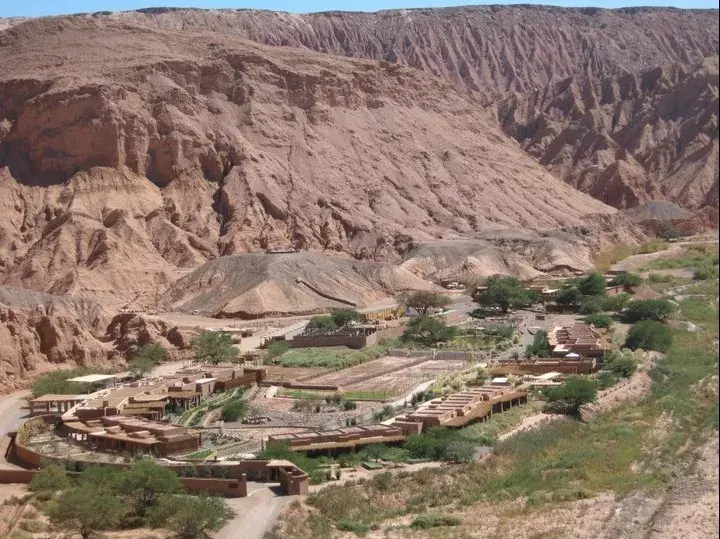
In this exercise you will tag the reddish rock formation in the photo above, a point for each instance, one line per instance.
(130, 155)
(619, 103)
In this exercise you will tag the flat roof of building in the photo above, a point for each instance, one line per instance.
(92, 378)
(54, 398)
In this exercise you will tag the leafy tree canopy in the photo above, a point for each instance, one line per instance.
(191, 517)
(141, 366)
(51, 478)
(569, 296)
(648, 309)
(572, 394)
(599, 320)
(342, 317)
(649, 335)
(325, 323)
(214, 347)
(145, 482)
(592, 285)
(505, 292)
(428, 330)
(540, 346)
(151, 352)
(86, 509)
(622, 365)
(628, 280)
(424, 301)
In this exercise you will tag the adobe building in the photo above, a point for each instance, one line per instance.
(133, 435)
(460, 409)
(583, 340)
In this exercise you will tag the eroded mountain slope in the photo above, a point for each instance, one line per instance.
(131, 155)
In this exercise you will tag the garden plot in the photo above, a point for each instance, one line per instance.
(286, 374)
(371, 369)
(402, 381)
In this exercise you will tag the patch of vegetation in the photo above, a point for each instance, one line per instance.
(599, 320)
(649, 335)
(424, 302)
(233, 410)
(214, 347)
(205, 453)
(628, 280)
(619, 252)
(425, 522)
(428, 330)
(568, 397)
(696, 256)
(56, 383)
(648, 309)
(277, 348)
(332, 358)
(342, 317)
(592, 285)
(321, 323)
(540, 346)
(616, 302)
(366, 395)
(619, 451)
(504, 293)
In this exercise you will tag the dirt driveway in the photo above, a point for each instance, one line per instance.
(256, 513)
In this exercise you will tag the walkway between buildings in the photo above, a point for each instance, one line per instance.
(256, 513)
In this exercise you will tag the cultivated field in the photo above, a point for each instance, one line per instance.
(359, 373)
(400, 382)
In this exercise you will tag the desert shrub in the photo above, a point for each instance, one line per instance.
(668, 231)
(649, 335)
(424, 522)
(616, 302)
(214, 347)
(591, 304)
(628, 280)
(428, 331)
(56, 382)
(592, 285)
(52, 478)
(349, 405)
(622, 365)
(569, 296)
(233, 410)
(321, 323)
(606, 379)
(648, 309)
(342, 317)
(277, 348)
(540, 346)
(599, 320)
(32, 526)
(571, 395)
(355, 526)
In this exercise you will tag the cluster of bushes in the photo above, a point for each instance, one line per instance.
(332, 358)
(568, 397)
(440, 444)
(146, 359)
(55, 382)
(540, 346)
(103, 498)
(234, 410)
(618, 364)
(383, 413)
(649, 335)
(428, 330)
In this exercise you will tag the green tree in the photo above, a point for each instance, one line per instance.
(668, 231)
(569, 296)
(591, 304)
(592, 285)
(234, 410)
(648, 309)
(322, 323)
(214, 347)
(140, 367)
(505, 292)
(616, 302)
(599, 320)
(649, 335)
(191, 517)
(540, 346)
(424, 301)
(145, 482)
(104, 477)
(621, 365)
(571, 395)
(151, 352)
(86, 509)
(342, 317)
(428, 330)
(277, 348)
(627, 280)
(50, 479)
(56, 382)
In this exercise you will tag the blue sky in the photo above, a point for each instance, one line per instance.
(35, 8)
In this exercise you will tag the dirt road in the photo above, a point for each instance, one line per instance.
(256, 513)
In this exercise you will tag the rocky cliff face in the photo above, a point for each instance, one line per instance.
(40, 332)
(130, 155)
(620, 103)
